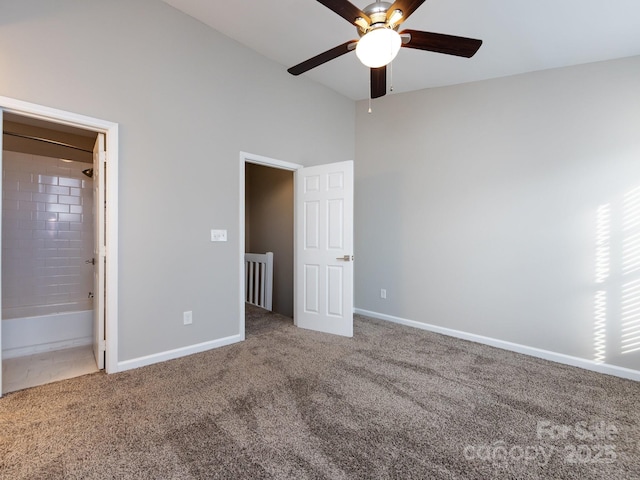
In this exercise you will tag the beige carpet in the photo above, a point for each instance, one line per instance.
(393, 402)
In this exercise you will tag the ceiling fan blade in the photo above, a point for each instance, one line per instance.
(324, 57)
(406, 6)
(346, 10)
(378, 82)
(440, 43)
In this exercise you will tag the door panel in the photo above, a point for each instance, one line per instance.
(312, 225)
(311, 284)
(335, 287)
(336, 224)
(324, 248)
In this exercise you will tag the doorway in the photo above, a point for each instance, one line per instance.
(323, 244)
(26, 116)
(266, 221)
(269, 227)
(47, 248)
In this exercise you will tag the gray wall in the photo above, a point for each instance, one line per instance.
(188, 100)
(476, 210)
(270, 227)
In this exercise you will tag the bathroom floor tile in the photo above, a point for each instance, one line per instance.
(32, 370)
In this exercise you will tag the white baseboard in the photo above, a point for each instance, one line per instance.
(177, 353)
(514, 347)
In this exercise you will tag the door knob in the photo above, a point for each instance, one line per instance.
(346, 258)
(92, 261)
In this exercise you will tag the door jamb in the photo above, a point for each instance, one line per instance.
(267, 162)
(110, 129)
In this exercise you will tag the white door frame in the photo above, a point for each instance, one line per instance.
(267, 162)
(1, 170)
(110, 129)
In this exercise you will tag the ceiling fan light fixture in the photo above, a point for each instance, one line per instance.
(378, 47)
(362, 23)
(395, 17)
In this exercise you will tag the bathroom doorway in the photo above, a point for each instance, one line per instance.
(47, 252)
(50, 306)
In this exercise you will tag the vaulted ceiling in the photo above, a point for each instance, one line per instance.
(519, 36)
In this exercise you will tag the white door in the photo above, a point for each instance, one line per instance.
(99, 165)
(324, 248)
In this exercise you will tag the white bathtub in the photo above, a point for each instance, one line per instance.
(30, 335)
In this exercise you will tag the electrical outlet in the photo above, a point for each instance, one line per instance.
(187, 317)
(383, 293)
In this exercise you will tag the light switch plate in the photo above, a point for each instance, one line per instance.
(218, 235)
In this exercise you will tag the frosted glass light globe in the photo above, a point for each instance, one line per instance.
(378, 47)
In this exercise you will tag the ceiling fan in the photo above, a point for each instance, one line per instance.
(379, 42)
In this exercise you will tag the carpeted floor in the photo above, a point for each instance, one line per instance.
(392, 402)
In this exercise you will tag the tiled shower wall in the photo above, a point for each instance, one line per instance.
(47, 235)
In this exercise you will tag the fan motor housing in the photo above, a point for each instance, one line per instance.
(377, 12)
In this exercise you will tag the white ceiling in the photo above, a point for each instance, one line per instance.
(519, 36)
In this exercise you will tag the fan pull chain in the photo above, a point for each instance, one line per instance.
(391, 77)
(369, 94)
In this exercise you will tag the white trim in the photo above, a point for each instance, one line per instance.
(241, 234)
(1, 195)
(111, 130)
(33, 110)
(46, 347)
(111, 240)
(177, 353)
(513, 347)
(267, 162)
